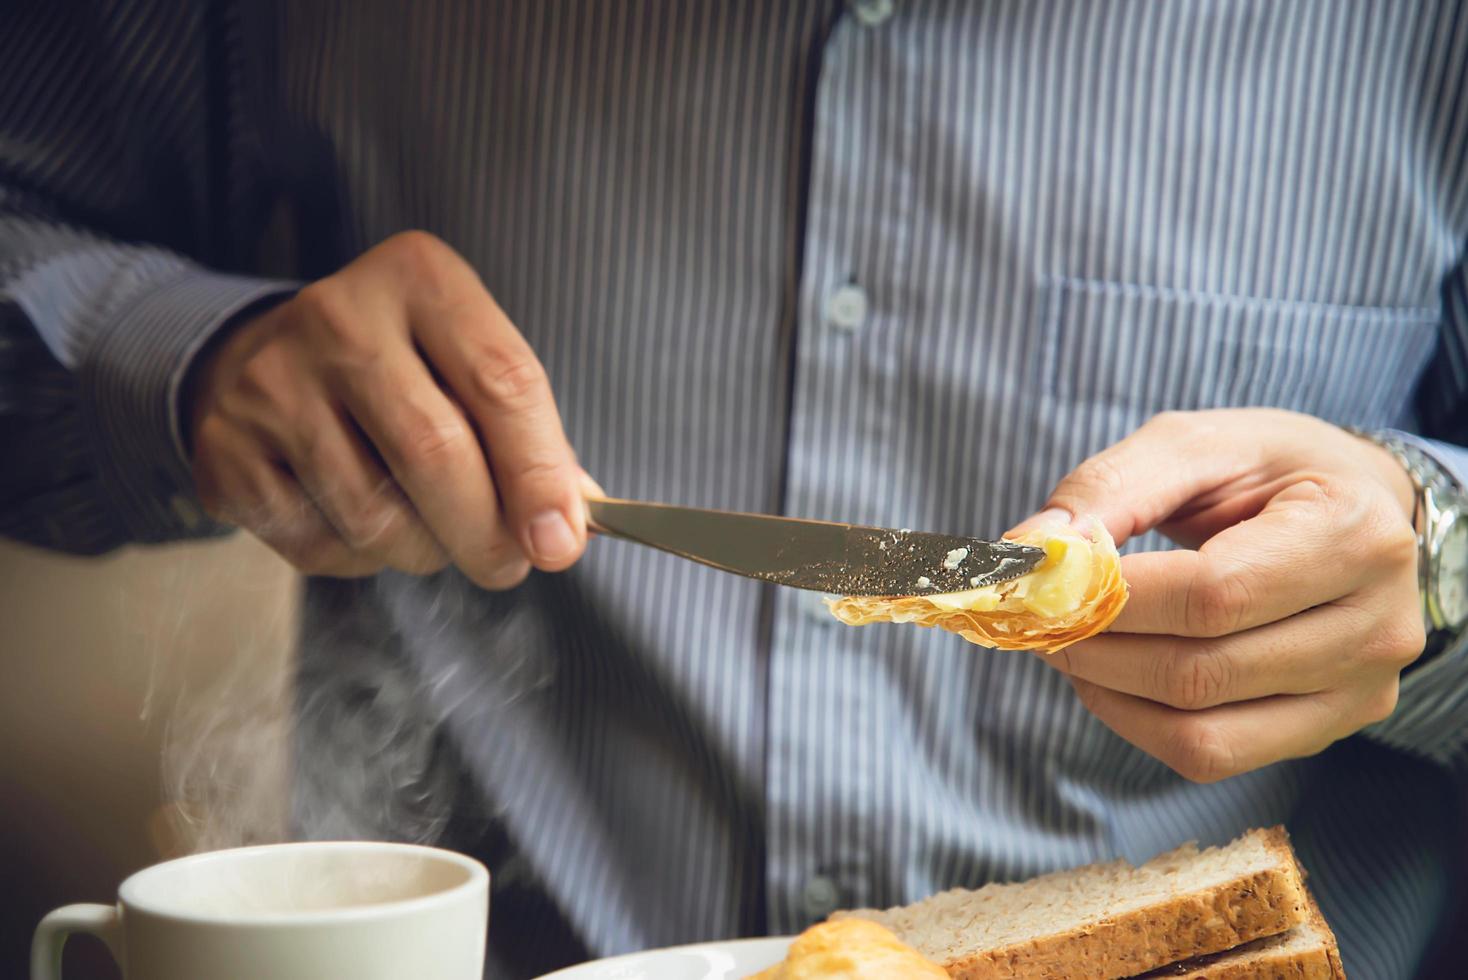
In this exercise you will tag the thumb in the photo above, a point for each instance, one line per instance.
(1146, 478)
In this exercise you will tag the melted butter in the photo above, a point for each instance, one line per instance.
(1057, 588)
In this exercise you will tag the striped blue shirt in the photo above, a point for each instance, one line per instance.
(897, 263)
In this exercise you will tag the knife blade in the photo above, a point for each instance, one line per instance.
(822, 556)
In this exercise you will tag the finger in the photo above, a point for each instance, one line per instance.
(267, 501)
(1146, 478)
(1206, 746)
(431, 450)
(1304, 654)
(361, 502)
(1050, 517)
(590, 489)
(1302, 550)
(589, 486)
(494, 373)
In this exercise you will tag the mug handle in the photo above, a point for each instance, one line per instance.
(102, 921)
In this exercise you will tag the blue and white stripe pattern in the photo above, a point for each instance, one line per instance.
(905, 270)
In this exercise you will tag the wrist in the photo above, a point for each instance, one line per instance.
(128, 386)
(215, 353)
(1440, 520)
(1395, 476)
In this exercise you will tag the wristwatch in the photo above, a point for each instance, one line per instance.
(1441, 521)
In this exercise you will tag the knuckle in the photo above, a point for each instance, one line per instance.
(260, 376)
(1315, 492)
(322, 304)
(540, 476)
(1320, 499)
(507, 380)
(1396, 544)
(1199, 752)
(1096, 479)
(1215, 603)
(426, 262)
(427, 441)
(416, 247)
(367, 523)
(1400, 640)
(330, 317)
(1196, 679)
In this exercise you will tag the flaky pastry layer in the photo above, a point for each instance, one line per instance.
(1075, 593)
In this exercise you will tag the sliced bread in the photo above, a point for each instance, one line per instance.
(1107, 921)
(1306, 952)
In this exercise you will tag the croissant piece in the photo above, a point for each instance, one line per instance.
(1076, 592)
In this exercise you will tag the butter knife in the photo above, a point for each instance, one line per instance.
(840, 559)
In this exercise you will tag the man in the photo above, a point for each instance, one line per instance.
(895, 263)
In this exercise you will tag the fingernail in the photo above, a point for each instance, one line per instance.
(551, 537)
(1050, 517)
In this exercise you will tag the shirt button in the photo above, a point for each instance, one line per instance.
(872, 12)
(847, 307)
(820, 898)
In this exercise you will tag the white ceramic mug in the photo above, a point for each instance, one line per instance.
(310, 911)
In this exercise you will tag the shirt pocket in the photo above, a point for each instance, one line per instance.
(1134, 350)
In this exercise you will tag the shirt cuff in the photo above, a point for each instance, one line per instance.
(130, 384)
(1431, 718)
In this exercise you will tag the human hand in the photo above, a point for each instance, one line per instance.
(389, 415)
(1289, 625)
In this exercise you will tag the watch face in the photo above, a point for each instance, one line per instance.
(1451, 587)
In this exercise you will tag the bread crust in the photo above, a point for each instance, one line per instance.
(1319, 962)
(1314, 964)
(1252, 906)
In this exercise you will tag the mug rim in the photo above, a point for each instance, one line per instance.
(478, 880)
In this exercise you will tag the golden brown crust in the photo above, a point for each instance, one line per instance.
(1250, 907)
(1011, 625)
(1332, 949)
(850, 949)
(1311, 964)
(1257, 960)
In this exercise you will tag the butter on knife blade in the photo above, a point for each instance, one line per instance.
(824, 556)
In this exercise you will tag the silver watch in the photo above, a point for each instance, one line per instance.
(1441, 520)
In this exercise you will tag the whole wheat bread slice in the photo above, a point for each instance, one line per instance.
(1107, 921)
(1306, 952)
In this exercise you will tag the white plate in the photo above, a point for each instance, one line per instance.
(732, 960)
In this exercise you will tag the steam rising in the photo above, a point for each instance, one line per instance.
(336, 729)
(372, 764)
